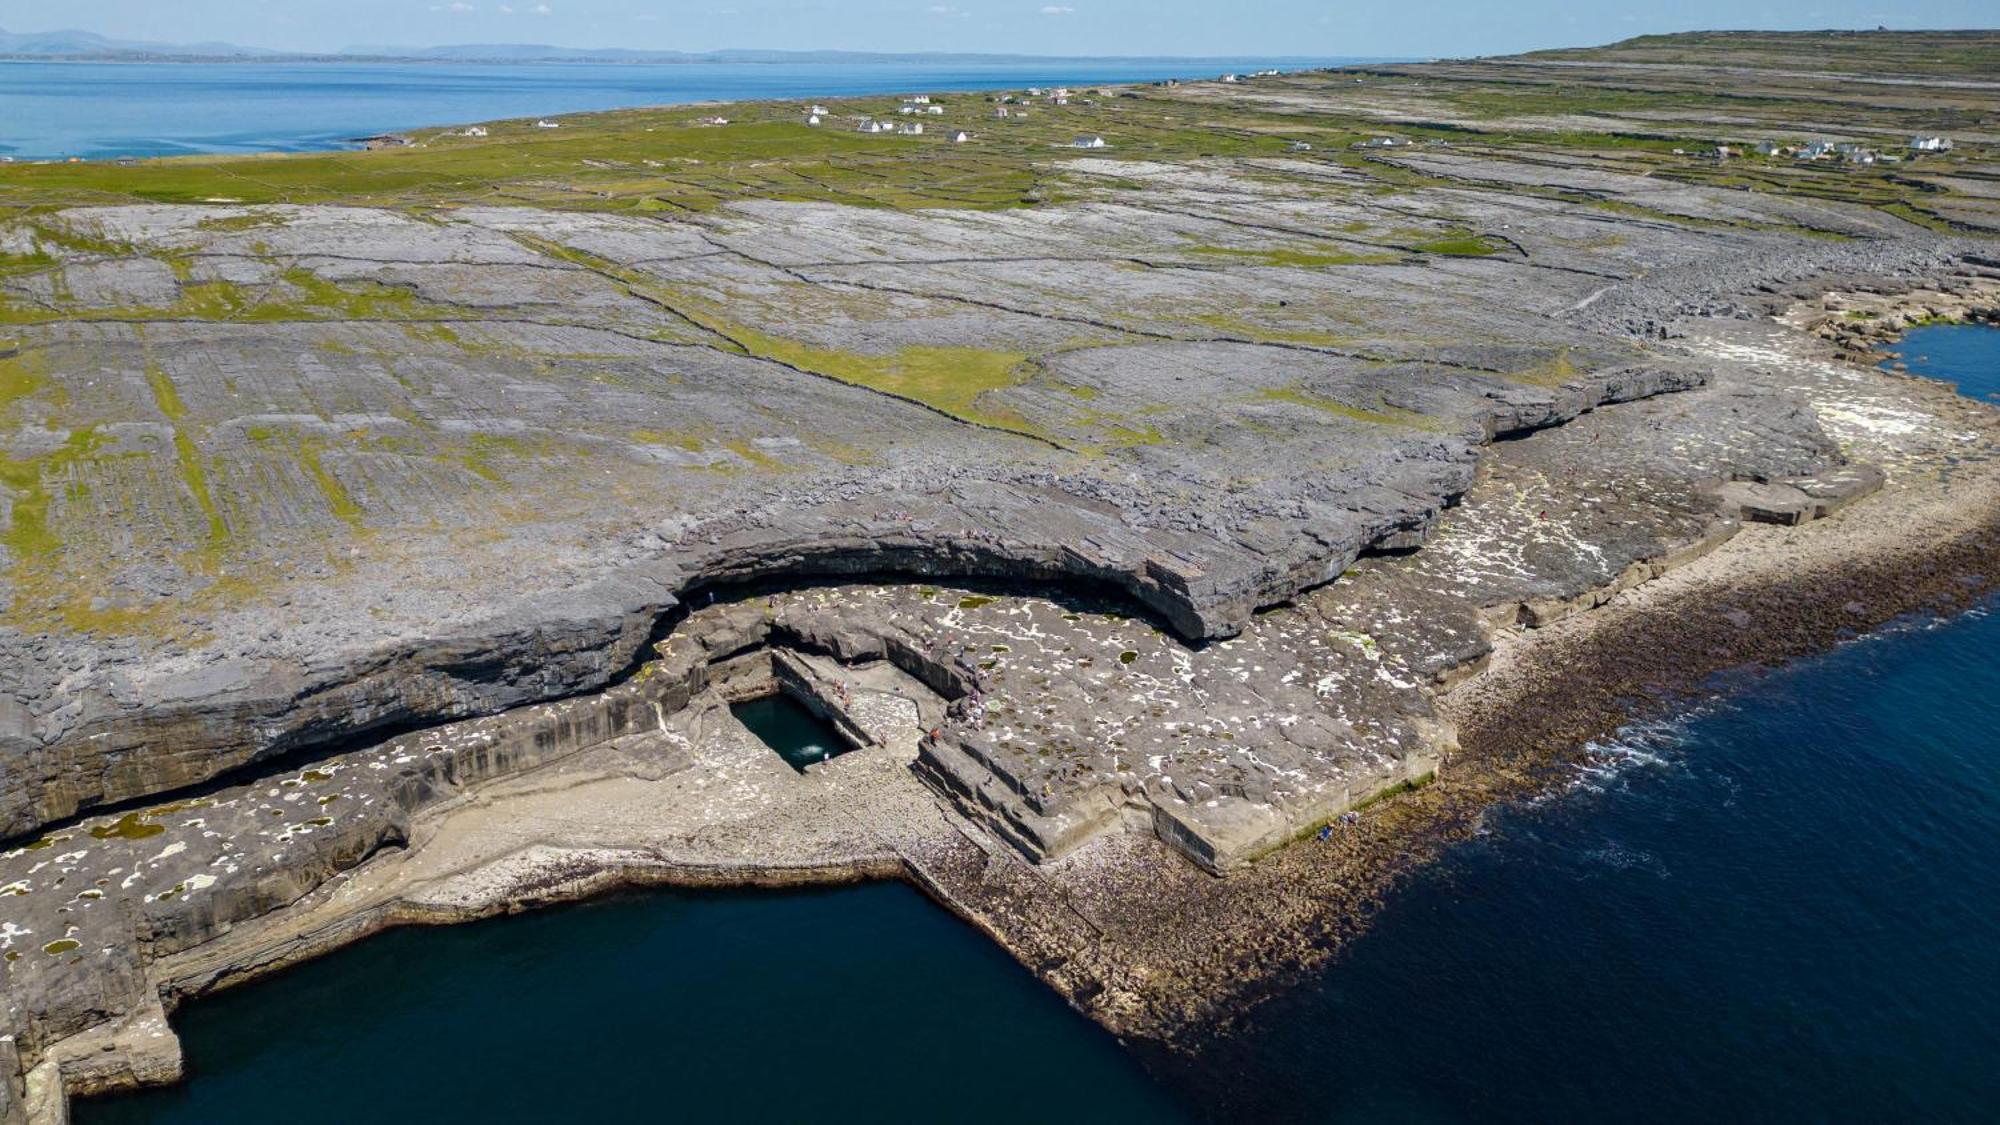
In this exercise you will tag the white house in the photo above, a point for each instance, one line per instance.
(545, 123)
(1230, 78)
(1092, 141)
(1770, 148)
(870, 125)
(1059, 100)
(1930, 144)
(906, 110)
(813, 120)
(960, 137)
(935, 111)
(1301, 146)
(917, 99)
(1003, 112)
(474, 131)
(715, 121)
(912, 129)
(1817, 150)
(818, 111)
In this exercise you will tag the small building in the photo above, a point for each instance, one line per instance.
(1384, 142)
(818, 111)
(1930, 144)
(1091, 141)
(1231, 78)
(1003, 113)
(545, 123)
(911, 129)
(1858, 156)
(1300, 146)
(1770, 148)
(1059, 100)
(917, 99)
(474, 131)
(1817, 150)
(715, 121)
(935, 111)
(870, 125)
(906, 110)
(960, 137)
(813, 120)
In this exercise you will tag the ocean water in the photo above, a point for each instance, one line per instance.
(861, 1004)
(98, 110)
(1964, 354)
(1783, 905)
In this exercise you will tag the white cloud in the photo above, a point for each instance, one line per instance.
(541, 9)
(462, 6)
(1057, 10)
(948, 10)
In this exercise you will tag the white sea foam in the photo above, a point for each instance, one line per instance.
(1642, 745)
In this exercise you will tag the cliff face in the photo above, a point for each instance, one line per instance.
(241, 538)
(1146, 522)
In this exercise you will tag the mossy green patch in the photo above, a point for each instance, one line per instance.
(1462, 246)
(187, 455)
(951, 380)
(1551, 372)
(1384, 416)
(1291, 257)
(61, 946)
(131, 826)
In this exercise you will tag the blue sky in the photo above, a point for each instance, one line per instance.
(1124, 27)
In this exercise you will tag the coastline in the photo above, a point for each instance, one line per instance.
(1760, 594)
(1161, 661)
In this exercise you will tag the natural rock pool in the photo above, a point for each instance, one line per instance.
(797, 735)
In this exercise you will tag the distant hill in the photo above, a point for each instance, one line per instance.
(90, 45)
(532, 52)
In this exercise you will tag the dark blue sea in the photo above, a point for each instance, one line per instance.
(1783, 905)
(98, 110)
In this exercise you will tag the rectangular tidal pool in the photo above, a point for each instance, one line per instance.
(790, 729)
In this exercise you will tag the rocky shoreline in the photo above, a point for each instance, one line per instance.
(1729, 597)
(1178, 564)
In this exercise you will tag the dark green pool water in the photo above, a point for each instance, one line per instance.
(797, 735)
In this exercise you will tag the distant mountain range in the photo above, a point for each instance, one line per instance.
(89, 45)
